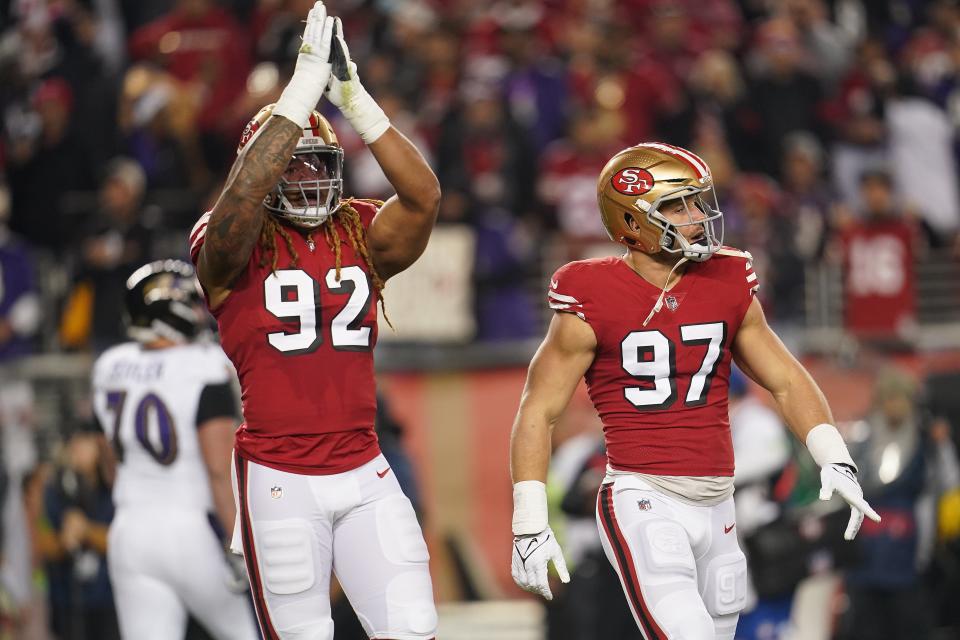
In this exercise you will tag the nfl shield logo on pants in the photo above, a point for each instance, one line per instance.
(644, 505)
(276, 492)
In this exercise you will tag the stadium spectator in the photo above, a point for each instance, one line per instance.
(78, 507)
(878, 251)
(157, 123)
(46, 161)
(904, 470)
(783, 94)
(201, 44)
(118, 239)
(19, 303)
(567, 176)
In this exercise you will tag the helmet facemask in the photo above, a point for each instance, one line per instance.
(672, 238)
(309, 190)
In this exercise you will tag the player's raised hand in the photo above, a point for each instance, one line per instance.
(841, 479)
(531, 555)
(312, 71)
(348, 94)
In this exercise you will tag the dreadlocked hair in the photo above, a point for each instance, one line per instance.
(348, 218)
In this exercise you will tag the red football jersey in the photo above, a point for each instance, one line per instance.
(302, 343)
(661, 389)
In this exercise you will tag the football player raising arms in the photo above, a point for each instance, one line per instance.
(653, 332)
(293, 270)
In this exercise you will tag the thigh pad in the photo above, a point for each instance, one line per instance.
(725, 584)
(285, 554)
(663, 548)
(399, 531)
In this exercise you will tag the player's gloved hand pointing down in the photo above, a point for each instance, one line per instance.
(838, 474)
(534, 544)
(531, 555)
(841, 479)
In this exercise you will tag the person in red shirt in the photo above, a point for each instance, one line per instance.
(292, 271)
(653, 332)
(202, 45)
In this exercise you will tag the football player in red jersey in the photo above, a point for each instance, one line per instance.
(653, 333)
(292, 272)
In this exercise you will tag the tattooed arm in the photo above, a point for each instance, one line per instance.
(237, 217)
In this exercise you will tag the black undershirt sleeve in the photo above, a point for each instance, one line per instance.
(216, 401)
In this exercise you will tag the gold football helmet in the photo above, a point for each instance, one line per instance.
(638, 180)
(309, 190)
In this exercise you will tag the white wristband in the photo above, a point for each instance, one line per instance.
(366, 116)
(298, 100)
(529, 507)
(826, 445)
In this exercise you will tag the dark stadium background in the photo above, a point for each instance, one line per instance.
(831, 129)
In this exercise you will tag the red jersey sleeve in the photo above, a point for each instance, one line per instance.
(753, 284)
(197, 235)
(739, 270)
(569, 293)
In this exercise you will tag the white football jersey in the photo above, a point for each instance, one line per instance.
(148, 403)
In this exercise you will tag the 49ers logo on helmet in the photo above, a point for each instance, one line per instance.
(632, 181)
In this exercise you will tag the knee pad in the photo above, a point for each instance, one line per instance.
(322, 631)
(682, 616)
(410, 608)
(399, 532)
(664, 549)
(319, 629)
(725, 584)
(285, 555)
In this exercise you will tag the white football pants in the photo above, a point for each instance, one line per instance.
(680, 565)
(296, 529)
(164, 563)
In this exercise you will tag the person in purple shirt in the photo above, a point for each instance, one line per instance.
(19, 303)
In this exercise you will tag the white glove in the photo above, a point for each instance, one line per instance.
(531, 555)
(346, 92)
(312, 73)
(842, 479)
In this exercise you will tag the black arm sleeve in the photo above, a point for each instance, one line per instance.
(216, 401)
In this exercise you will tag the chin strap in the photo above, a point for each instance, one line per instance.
(659, 305)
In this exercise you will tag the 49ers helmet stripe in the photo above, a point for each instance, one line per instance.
(691, 159)
(691, 154)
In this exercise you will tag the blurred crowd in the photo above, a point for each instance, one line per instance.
(119, 119)
(827, 124)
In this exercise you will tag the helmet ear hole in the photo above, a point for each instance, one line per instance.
(630, 221)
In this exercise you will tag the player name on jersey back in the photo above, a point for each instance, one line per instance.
(661, 389)
(134, 371)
